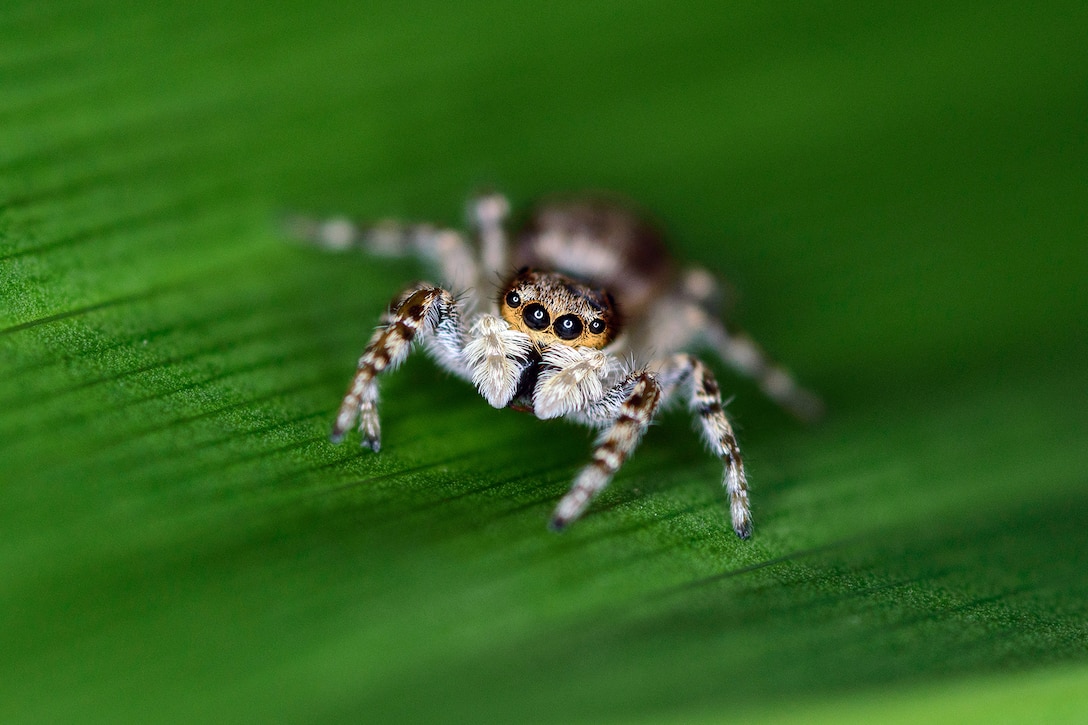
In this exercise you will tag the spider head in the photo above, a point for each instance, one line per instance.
(553, 309)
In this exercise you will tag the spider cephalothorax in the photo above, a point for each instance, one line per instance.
(551, 308)
(547, 341)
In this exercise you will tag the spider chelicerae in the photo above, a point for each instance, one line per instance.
(594, 326)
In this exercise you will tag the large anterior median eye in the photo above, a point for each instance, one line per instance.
(536, 317)
(568, 327)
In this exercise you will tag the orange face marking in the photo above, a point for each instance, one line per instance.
(552, 309)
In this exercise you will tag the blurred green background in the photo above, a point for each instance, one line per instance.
(897, 191)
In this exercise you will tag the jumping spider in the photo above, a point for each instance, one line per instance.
(593, 283)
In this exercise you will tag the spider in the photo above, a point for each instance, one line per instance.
(594, 326)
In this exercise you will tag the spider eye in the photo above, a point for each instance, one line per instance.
(568, 327)
(513, 299)
(596, 327)
(536, 317)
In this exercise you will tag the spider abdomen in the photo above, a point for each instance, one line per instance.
(601, 244)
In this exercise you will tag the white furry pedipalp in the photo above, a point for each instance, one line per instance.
(571, 378)
(496, 355)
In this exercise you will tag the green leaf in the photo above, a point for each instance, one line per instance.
(897, 193)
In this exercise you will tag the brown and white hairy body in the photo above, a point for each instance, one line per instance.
(594, 326)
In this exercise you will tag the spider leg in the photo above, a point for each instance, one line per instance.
(425, 311)
(630, 405)
(744, 355)
(487, 214)
(444, 249)
(705, 401)
(687, 317)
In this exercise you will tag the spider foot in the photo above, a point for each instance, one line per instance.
(743, 529)
(558, 524)
(369, 427)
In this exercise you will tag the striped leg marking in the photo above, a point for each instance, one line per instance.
(390, 344)
(634, 416)
(705, 402)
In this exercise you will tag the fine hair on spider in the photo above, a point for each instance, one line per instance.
(595, 325)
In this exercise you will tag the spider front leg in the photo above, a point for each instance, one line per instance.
(705, 401)
(422, 311)
(630, 405)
